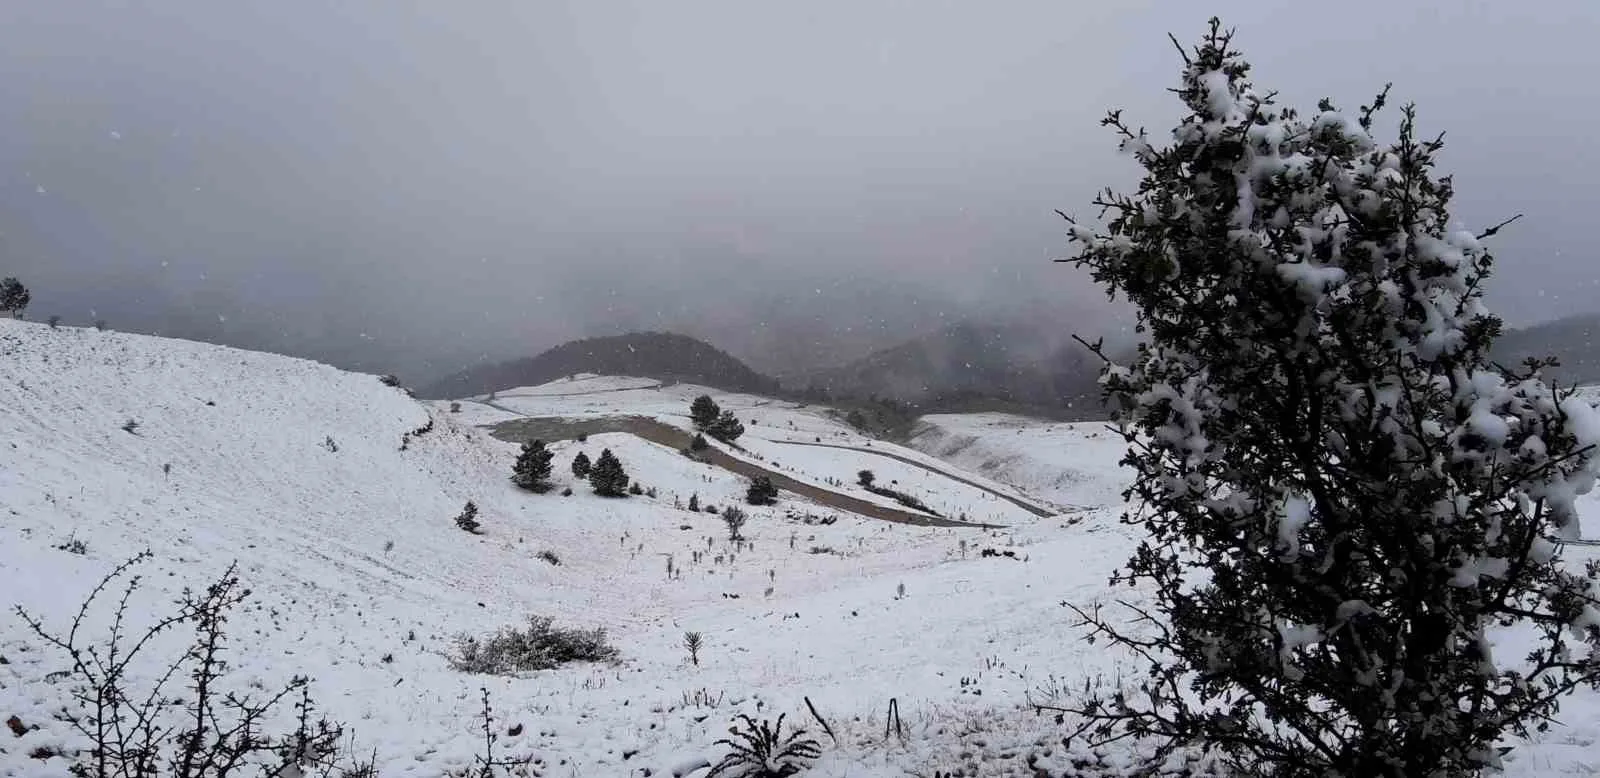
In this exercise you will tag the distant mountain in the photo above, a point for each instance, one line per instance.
(971, 366)
(1574, 340)
(661, 355)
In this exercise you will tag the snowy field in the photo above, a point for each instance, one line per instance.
(806, 442)
(360, 578)
(1065, 462)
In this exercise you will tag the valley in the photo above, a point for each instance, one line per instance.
(334, 493)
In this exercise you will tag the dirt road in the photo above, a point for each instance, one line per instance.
(555, 428)
(1037, 510)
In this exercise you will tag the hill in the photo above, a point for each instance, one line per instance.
(664, 356)
(336, 495)
(1574, 340)
(971, 367)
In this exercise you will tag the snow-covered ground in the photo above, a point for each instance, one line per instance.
(360, 578)
(806, 442)
(1068, 463)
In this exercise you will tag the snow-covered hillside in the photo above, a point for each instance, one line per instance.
(342, 525)
(1068, 463)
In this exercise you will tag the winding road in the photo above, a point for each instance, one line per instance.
(1037, 510)
(559, 428)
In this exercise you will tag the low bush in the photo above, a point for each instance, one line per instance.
(539, 646)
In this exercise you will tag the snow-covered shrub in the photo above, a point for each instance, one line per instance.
(735, 520)
(14, 297)
(468, 518)
(761, 750)
(74, 546)
(540, 646)
(550, 557)
(191, 720)
(487, 764)
(1342, 495)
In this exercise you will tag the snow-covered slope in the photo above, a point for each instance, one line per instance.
(360, 578)
(1068, 463)
(807, 442)
(297, 471)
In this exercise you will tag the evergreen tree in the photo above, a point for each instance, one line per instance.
(580, 465)
(14, 296)
(865, 478)
(607, 477)
(699, 443)
(694, 502)
(703, 412)
(761, 491)
(1341, 494)
(726, 428)
(532, 469)
(468, 519)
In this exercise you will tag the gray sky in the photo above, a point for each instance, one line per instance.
(413, 185)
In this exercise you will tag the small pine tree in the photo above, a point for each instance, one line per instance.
(14, 296)
(54, 321)
(694, 502)
(607, 477)
(761, 491)
(726, 428)
(699, 443)
(1343, 497)
(581, 465)
(703, 412)
(468, 520)
(636, 489)
(532, 469)
(865, 478)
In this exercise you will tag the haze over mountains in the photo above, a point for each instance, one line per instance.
(965, 366)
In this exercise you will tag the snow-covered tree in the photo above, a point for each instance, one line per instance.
(607, 477)
(703, 412)
(532, 468)
(14, 297)
(1345, 502)
(468, 518)
(726, 428)
(761, 492)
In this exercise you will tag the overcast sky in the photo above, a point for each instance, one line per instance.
(411, 186)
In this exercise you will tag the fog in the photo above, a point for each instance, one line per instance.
(412, 187)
